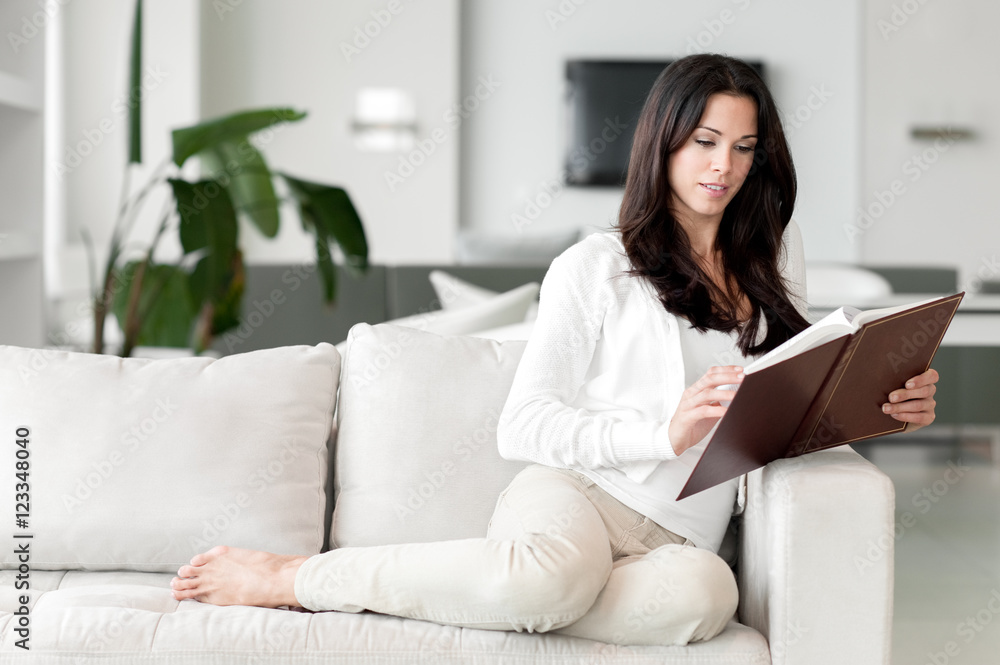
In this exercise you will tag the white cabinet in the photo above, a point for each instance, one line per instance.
(22, 75)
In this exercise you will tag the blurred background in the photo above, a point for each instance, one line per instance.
(451, 125)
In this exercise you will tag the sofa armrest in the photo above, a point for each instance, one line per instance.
(816, 559)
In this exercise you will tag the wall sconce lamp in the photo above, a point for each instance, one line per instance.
(385, 120)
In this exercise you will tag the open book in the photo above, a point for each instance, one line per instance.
(824, 387)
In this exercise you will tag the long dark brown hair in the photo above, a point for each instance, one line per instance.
(749, 237)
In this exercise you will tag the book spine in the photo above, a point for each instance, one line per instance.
(811, 434)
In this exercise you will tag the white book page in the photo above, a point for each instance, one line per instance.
(836, 324)
(875, 314)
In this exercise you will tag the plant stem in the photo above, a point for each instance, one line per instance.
(128, 208)
(133, 206)
(133, 317)
(203, 328)
(102, 299)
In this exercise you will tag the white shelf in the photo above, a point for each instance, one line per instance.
(22, 177)
(16, 92)
(16, 245)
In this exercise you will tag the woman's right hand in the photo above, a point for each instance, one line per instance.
(701, 406)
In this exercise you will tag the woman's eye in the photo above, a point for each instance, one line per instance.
(704, 142)
(745, 148)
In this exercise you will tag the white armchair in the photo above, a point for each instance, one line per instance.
(836, 284)
(816, 559)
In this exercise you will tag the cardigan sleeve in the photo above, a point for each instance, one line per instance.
(538, 422)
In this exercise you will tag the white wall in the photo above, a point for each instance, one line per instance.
(925, 201)
(90, 162)
(290, 53)
(848, 152)
(513, 143)
(86, 152)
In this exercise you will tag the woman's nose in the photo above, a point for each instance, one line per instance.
(722, 163)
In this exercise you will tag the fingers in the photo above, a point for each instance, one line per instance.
(920, 418)
(715, 396)
(910, 406)
(700, 407)
(915, 403)
(918, 412)
(708, 412)
(927, 378)
(715, 372)
(718, 376)
(696, 398)
(919, 387)
(903, 394)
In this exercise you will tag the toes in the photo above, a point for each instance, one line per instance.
(184, 594)
(178, 584)
(187, 571)
(205, 557)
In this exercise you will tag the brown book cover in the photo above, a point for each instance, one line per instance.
(823, 397)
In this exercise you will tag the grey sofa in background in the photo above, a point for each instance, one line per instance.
(283, 304)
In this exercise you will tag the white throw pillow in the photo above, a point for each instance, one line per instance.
(139, 464)
(455, 293)
(514, 331)
(416, 454)
(499, 310)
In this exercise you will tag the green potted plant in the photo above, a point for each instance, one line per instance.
(192, 300)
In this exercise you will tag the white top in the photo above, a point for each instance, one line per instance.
(601, 375)
(702, 350)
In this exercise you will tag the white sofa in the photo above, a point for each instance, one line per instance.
(135, 465)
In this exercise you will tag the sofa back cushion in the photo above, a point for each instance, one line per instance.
(140, 464)
(416, 453)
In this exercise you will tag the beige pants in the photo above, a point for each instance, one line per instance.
(560, 555)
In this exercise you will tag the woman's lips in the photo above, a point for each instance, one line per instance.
(714, 190)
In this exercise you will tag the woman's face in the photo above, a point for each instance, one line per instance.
(706, 172)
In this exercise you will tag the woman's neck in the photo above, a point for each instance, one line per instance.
(701, 237)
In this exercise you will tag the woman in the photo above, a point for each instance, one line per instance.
(619, 383)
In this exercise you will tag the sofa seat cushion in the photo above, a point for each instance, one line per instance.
(140, 464)
(129, 617)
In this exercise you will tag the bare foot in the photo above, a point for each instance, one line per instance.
(232, 576)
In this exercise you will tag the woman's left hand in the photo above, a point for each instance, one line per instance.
(915, 403)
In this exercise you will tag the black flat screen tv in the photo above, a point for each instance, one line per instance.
(604, 99)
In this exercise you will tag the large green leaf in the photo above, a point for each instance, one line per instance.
(189, 141)
(165, 306)
(227, 304)
(135, 90)
(327, 212)
(208, 223)
(245, 173)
